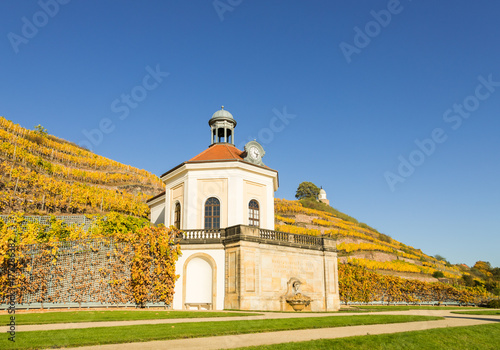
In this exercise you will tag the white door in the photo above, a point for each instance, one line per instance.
(198, 282)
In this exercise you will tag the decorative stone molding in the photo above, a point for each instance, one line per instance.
(255, 234)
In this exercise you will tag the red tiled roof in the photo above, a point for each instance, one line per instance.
(219, 152)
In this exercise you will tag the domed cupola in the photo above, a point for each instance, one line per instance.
(222, 126)
(322, 196)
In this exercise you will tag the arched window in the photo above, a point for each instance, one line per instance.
(177, 215)
(253, 213)
(212, 213)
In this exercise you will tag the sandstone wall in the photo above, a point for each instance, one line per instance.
(258, 276)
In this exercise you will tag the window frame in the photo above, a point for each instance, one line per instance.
(254, 213)
(212, 221)
(177, 215)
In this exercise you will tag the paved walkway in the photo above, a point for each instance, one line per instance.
(256, 339)
(258, 316)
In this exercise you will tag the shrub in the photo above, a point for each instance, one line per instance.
(388, 239)
(494, 304)
(368, 227)
(438, 274)
(468, 280)
(36, 138)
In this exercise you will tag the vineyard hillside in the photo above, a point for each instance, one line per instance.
(42, 174)
(360, 245)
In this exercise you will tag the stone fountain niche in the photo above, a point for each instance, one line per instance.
(294, 300)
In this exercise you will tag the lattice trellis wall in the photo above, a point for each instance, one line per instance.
(86, 271)
(92, 272)
(69, 220)
(76, 272)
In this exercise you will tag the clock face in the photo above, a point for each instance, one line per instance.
(253, 152)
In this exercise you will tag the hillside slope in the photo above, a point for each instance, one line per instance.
(359, 244)
(43, 174)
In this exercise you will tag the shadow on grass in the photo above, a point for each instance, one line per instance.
(475, 318)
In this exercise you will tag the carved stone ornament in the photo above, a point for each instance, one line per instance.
(294, 297)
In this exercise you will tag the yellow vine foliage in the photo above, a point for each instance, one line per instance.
(396, 265)
(336, 227)
(45, 174)
(352, 247)
(326, 223)
(65, 156)
(137, 247)
(289, 221)
(294, 207)
(358, 284)
(297, 230)
(37, 192)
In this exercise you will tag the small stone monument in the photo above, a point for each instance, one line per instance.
(322, 196)
(294, 297)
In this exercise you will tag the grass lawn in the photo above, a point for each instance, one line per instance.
(372, 308)
(377, 308)
(112, 315)
(483, 337)
(478, 312)
(141, 333)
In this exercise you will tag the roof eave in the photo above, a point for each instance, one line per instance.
(152, 199)
(171, 170)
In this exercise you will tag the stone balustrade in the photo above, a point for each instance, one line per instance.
(201, 234)
(251, 233)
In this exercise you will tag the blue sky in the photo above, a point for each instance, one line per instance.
(393, 107)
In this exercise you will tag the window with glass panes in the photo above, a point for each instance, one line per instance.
(177, 215)
(212, 213)
(253, 213)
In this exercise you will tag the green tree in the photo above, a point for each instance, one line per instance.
(468, 280)
(39, 135)
(307, 190)
(40, 130)
(484, 267)
(440, 257)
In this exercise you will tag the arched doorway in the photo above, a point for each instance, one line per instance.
(199, 282)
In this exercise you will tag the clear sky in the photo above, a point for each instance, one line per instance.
(392, 106)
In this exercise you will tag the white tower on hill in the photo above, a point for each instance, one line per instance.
(322, 196)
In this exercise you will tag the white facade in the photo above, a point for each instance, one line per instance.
(219, 172)
(200, 266)
(234, 184)
(157, 207)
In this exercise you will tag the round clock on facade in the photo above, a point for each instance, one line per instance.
(254, 152)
